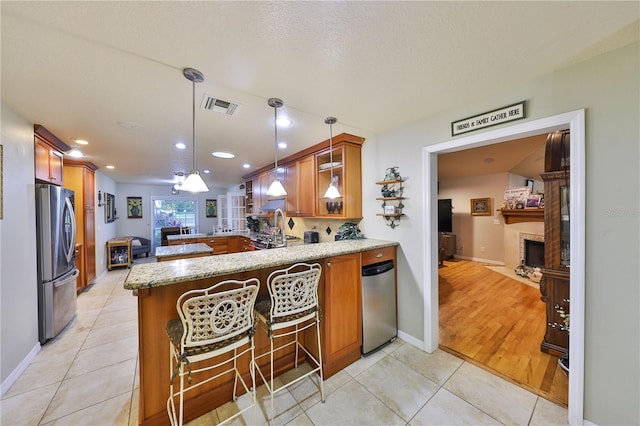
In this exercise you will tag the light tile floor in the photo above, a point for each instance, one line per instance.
(88, 376)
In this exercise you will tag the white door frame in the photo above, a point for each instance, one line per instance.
(575, 122)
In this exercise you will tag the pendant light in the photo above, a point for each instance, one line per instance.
(194, 182)
(332, 191)
(276, 189)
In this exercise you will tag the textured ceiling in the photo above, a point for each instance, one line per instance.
(80, 68)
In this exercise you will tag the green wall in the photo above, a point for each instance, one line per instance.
(607, 87)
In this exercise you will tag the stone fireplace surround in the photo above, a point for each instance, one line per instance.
(523, 237)
(514, 236)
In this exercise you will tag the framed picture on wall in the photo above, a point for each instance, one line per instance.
(481, 207)
(212, 208)
(134, 207)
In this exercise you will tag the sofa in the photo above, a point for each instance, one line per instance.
(140, 245)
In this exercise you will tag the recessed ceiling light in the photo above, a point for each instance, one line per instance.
(81, 142)
(222, 154)
(180, 145)
(246, 165)
(284, 122)
(110, 167)
(282, 145)
(129, 125)
(206, 171)
(75, 153)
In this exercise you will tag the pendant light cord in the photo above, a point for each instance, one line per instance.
(193, 115)
(275, 138)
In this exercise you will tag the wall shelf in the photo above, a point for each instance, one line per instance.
(391, 197)
(522, 215)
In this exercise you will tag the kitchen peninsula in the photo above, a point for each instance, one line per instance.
(182, 251)
(158, 286)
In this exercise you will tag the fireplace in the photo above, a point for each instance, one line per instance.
(534, 253)
(531, 250)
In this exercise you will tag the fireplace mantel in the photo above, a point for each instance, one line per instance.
(522, 215)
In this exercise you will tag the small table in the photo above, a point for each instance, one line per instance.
(119, 252)
(182, 251)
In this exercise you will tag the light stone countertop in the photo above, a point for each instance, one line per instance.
(159, 274)
(182, 249)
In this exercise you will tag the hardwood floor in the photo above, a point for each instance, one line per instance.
(497, 323)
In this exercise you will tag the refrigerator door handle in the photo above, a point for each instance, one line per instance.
(70, 251)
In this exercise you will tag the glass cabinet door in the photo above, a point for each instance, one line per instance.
(565, 259)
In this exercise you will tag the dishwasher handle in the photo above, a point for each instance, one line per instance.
(377, 268)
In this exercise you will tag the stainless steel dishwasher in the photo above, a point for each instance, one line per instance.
(379, 319)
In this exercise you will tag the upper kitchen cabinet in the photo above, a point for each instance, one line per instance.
(299, 181)
(346, 174)
(48, 155)
(306, 176)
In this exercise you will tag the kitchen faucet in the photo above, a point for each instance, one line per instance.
(282, 228)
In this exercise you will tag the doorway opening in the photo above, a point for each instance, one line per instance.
(575, 122)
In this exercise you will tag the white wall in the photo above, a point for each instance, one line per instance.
(18, 269)
(104, 231)
(477, 237)
(144, 227)
(608, 88)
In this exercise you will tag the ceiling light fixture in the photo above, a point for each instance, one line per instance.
(332, 191)
(276, 189)
(284, 122)
(222, 154)
(194, 182)
(75, 153)
(81, 142)
(180, 145)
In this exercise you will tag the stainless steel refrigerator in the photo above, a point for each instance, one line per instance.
(57, 273)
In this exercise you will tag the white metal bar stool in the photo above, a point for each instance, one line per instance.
(292, 307)
(212, 322)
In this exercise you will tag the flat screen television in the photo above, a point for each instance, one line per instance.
(445, 215)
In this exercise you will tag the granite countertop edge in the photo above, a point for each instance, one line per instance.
(159, 274)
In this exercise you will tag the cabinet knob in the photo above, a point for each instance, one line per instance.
(328, 264)
(379, 255)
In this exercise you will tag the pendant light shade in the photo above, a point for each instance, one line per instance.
(276, 189)
(332, 192)
(194, 182)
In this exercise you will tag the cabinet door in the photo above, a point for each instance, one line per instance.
(347, 177)
(554, 288)
(55, 167)
(48, 163)
(90, 245)
(299, 181)
(306, 185)
(342, 312)
(41, 156)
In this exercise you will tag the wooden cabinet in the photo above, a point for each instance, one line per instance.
(48, 156)
(554, 285)
(80, 268)
(347, 177)
(119, 252)
(80, 177)
(341, 304)
(300, 181)
(306, 178)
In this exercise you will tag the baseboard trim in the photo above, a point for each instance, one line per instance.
(411, 340)
(17, 372)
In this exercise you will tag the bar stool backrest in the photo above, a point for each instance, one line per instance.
(293, 291)
(211, 316)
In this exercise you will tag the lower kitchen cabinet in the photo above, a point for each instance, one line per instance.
(341, 307)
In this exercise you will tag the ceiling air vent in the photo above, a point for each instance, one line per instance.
(218, 105)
